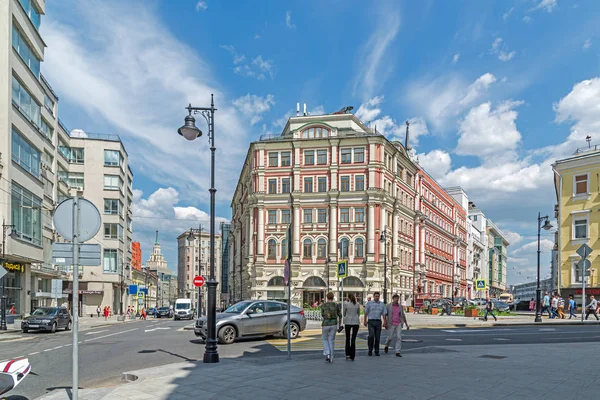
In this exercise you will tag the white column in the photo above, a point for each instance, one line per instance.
(296, 224)
(422, 247)
(261, 231)
(371, 230)
(333, 230)
(250, 236)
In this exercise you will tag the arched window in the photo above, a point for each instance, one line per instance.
(322, 248)
(344, 244)
(314, 281)
(307, 248)
(276, 281)
(315, 132)
(353, 281)
(271, 246)
(284, 251)
(359, 249)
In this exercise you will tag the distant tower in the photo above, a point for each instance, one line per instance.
(407, 140)
(156, 241)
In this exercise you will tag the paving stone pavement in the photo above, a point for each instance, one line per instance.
(548, 372)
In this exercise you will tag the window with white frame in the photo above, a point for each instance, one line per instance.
(309, 157)
(359, 214)
(110, 260)
(359, 155)
(581, 185)
(26, 214)
(322, 215)
(112, 158)
(285, 185)
(321, 184)
(111, 231)
(359, 183)
(345, 183)
(580, 227)
(344, 215)
(112, 182)
(273, 159)
(575, 272)
(308, 214)
(24, 154)
(285, 216)
(272, 186)
(286, 159)
(308, 185)
(272, 217)
(321, 157)
(359, 248)
(346, 156)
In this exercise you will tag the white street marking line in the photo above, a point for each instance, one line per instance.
(70, 344)
(547, 329)
(473, 330)
(455, 340)
(47, 350)
(155, 329)
(57, 347)
(93, 333)
(34, 353)
(112, 334)
(499, 338)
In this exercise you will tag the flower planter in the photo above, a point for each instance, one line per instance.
(434, 311)
(409, 309)
(472, 313)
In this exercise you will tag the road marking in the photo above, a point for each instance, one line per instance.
(70, 344)
(47, 350)
(155, 329)
(93, 333)
(57, 347)
(499, 338)
(112, 334)
(547, 329)
(34, 353)
(473, 330)
(455, 340)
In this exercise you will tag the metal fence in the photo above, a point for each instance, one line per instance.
(313, 315)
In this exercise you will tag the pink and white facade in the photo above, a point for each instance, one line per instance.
(339, 185)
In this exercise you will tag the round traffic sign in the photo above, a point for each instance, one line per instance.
(198, 281)
(89, 220)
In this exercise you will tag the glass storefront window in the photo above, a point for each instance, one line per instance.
(12, 291)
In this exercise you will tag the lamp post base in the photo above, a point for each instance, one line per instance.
(211, 353)
(538, 318)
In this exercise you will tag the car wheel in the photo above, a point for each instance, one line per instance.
(53, 329)
(176, 318)
(68, 327)
(227, 334)
(25, 330)
(294, 330)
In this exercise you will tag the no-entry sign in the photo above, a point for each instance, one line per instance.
(198, 281)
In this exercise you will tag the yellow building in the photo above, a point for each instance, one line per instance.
(576, 180)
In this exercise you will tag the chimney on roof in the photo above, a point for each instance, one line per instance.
(407, 140)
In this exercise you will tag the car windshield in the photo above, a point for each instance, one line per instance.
(238, 307)
(163, 309)
(182, 306)
(45, 311)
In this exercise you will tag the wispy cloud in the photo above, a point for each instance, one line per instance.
(527, 19)
(500, 49)
(253, 107)
(587, 44)
(288, 20)
(256, 36)
(258, 67)
(201, 6)
(546, 5)
(372, 73)
(455, 58)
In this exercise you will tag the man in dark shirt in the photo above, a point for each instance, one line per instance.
(489, 309)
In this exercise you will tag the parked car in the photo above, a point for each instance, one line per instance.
(254, 318)
(500, 305)
(164, 312)
(48, 319)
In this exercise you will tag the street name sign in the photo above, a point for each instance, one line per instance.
(198, 281)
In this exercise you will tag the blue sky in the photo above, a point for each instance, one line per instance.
(495, 90)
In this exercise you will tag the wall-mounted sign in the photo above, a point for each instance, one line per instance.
(15, 267)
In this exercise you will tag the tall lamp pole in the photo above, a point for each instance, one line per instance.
(190, 132)
(122, 282)
(13, 235)
(191, 238)
(383, 240)
(538, 290)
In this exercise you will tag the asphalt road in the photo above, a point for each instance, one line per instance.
(104, 353)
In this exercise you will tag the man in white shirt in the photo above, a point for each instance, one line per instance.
(591, 308)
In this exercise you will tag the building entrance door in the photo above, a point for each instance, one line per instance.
(311, 297)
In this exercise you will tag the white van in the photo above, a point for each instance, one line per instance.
(183, 309)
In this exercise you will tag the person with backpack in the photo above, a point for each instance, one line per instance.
(572, 307)
(489, 309)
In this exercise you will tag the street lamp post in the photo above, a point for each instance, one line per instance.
(122, 282)
(327, 261)
(538, 291)
(190, 132)
(190, 239)
(13, 234)
(383, 239)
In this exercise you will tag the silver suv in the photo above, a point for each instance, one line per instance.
(254, 318)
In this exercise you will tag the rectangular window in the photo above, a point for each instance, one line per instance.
(345, 183)
(286, 159)
(47, 130)
(110, 260)
(285, 185)
(308, 185)
(359, 155)
(26, 103)
(321, 157)
(48, 160)
(32, 12)
(576, 272)
(346, 156)
(580, 227)
(272, 217)
(308, 212)
(25, 51)
(25, 154)
(399, 170)
(112, 158)
(112, 182)
(112, 206)
(110, 231)
(359, 215)
(309, 157)
(272, 186)
(285, 217)
(273, 159)
(73, 179)
(76, 155)
(322, 184)
(409, 179)
(26, 214)
(344, 215)
(322, 215)
(359, 183)
(581, 184)
(49, 104)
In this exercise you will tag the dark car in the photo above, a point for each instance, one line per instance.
(164, 312)
(48, 319)
(500, 306)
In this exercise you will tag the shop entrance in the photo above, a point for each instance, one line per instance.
(312, 297)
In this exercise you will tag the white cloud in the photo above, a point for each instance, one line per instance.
(587, 44)
(256, 36)
(489, 133)
(508, 13)
(369, 110)
(500, 50)
(455, 58)
(288, 20)
(477, 88)
(258, 68)
(107, 79)
(545, 246)
(201, 5)
(546, 5)
(372, 71)
(527, 19)
(318, 110)
(253, 106)
(512, 237)
(437, 163)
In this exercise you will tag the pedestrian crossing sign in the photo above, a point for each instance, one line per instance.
(480, 284)
(342, 269)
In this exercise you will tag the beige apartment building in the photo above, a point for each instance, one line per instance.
(41, 163)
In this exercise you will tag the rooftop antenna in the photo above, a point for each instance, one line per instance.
(588, 139)
(297, 109)
(407, 140)
(305, 109)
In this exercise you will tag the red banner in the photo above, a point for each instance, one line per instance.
(588, 291)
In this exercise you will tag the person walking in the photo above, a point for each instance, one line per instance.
(561, 306)
(395, 318)
(554, 304)
(546, 305)
(572, 307)
(374, 312)
(105, 313)
(592, 308)
(351, 325)
(98, 310)
(531, 304)
(489, 309)
(332, 319)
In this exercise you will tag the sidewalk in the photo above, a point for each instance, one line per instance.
(448, 373)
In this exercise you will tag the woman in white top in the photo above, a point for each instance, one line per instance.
(351, 324)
